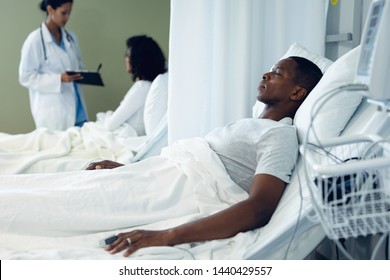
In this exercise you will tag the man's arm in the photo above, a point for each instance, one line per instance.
(254, 212)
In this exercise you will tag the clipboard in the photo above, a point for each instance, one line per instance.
(89, 77)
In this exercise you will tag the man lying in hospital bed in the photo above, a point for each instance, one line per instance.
(197, 188)
(290, 233)
(56, 151)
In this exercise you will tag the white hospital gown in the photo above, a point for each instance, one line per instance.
(131, 108)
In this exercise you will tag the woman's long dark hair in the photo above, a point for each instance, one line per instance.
(146, 58)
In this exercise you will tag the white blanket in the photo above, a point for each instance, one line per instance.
(43, 150)
(63, 215)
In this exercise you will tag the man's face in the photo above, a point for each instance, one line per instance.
(278, 84)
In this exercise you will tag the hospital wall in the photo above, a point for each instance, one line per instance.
(345, 17)
(102, 28)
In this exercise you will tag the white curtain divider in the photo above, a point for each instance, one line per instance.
(219, 50)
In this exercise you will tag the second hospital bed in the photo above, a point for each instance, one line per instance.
(43, 151)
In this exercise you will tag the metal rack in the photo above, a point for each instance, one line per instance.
(349, 182)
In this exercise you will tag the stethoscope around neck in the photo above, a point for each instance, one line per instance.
(68, 37)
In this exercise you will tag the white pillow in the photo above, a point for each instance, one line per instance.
(156, 103)
(336, 111)
(297, 50)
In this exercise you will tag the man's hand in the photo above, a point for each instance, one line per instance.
(134, 240)
(105, 164)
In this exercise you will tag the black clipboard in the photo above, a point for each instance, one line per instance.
(89, 77)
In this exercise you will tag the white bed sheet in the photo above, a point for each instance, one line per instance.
(66, 214)
(63, 215)
(43, 150)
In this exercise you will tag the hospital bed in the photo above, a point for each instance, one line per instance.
(43, 151)
(348, 176)
(293, 231)
(296, 234)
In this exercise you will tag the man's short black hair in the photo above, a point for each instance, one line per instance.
(308, 74)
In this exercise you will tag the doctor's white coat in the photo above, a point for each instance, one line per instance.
(53, 103)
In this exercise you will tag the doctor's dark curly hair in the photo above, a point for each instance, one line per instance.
(146, 58)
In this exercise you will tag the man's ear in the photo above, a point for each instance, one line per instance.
(299, 94)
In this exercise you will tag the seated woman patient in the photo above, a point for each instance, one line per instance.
(258, 154)
(144, 60)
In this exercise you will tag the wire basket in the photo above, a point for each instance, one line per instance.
(349, 182)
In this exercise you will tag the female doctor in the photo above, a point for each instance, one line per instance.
(56, 101)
